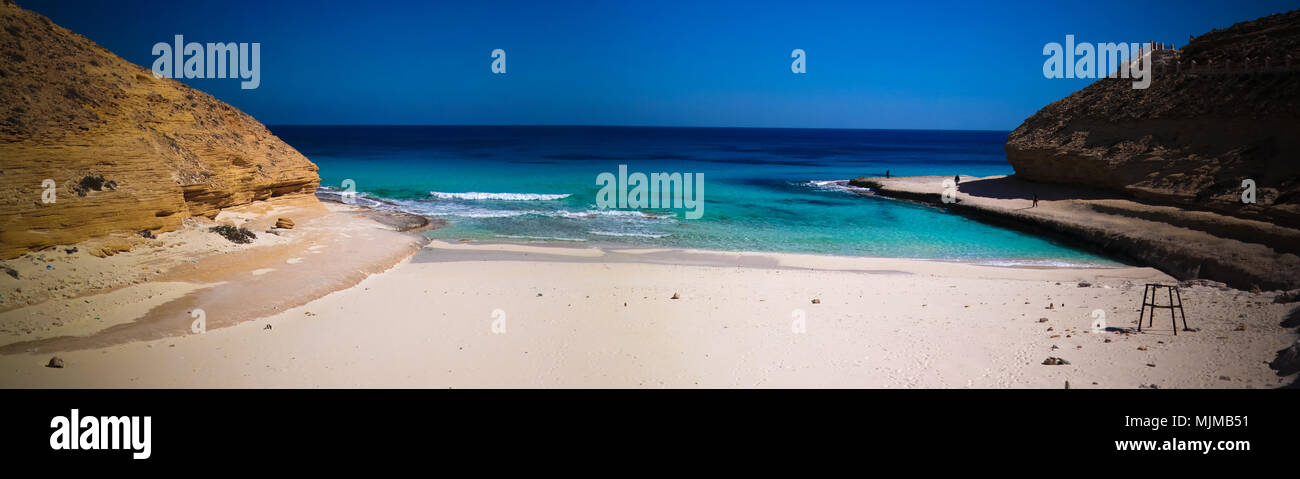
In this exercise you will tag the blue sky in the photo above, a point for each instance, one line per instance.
(899, 64)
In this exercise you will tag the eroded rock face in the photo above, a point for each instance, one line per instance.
(155, 150)
(1191, 138)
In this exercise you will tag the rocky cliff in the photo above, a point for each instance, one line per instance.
(125, 151)
(1224, 108)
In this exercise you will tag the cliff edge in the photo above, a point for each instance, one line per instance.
(125, 151)
(1223, 109)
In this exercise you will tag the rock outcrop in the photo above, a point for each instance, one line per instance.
(125, 151)
(1186, 244)
(1223, 109)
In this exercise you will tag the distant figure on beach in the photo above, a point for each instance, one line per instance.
(886, 173)
(1035, 200)
(956, 179)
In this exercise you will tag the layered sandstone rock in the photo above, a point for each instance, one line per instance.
(1223, 109)
(126, 151)
(1186, 244)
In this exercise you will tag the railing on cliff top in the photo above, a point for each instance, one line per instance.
(1267, 64)
(1243, 65)
(1169, 61)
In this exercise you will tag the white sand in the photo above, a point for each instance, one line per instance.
(604, 318)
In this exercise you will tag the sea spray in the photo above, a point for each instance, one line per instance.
(474, 195)
(657, 190)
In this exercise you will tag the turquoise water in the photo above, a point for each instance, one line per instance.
(765, 190)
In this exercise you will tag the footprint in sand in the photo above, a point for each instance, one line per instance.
(259, 272)
(293, 260)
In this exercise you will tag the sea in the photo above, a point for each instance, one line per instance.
(769, 190)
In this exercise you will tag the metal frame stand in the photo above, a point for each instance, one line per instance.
(1174, 293)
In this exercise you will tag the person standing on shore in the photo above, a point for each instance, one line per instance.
(886, 173)
(1035, 200)
(956, 180)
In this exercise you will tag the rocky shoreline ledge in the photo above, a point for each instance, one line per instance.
(1187, 244)
(385, 213)
(1194, 175)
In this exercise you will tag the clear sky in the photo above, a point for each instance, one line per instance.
(896, 64)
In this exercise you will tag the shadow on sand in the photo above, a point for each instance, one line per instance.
(1288, 359)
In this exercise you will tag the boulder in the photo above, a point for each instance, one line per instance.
(1287, 361)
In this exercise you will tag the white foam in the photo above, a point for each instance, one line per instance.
(637, 235)
(358, 199)
(541, 238)
(465, 210)
(474, 195)
(1039, 263)
(837, 185)
(607, 212)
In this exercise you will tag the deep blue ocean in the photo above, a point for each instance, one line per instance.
(765, 189)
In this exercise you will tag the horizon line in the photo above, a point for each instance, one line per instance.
(634, 126)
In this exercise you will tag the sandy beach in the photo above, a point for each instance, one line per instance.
(463, 315)
(68, 297)
(124, 261)
(967, 212)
